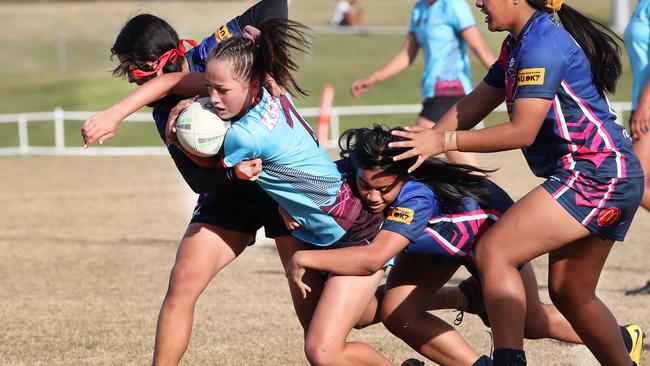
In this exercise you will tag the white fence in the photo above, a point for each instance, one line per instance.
(59, 117)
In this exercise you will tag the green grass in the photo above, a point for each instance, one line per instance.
(33, 80)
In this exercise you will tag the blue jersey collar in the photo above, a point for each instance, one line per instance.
(527, 26)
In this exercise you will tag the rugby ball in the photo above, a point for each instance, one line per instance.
(199, 130)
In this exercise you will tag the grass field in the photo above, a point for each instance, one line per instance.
(33, 79)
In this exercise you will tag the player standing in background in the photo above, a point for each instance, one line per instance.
(442, 29)
(553, 78)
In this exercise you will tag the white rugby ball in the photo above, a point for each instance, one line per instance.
(200, 130)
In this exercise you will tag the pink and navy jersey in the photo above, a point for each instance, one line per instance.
(579, 132)
(419, 215)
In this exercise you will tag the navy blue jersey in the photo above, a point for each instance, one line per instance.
(255, 15)
(418, 215)
(579, 132)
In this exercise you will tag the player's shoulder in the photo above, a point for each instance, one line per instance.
(547, 39)
(240, 131)
(454, 4)
(414, 192)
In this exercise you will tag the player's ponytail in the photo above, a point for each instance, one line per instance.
(251, 60)
(279, 37)
(596, 40)
(145, 38)
(367, 148)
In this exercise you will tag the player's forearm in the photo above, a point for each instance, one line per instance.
(502, 137)
(201, 180)
(461, 116)
(212, 180)
(350, 261)
(146, 94)
(400, 62)
(644, 98)
(472, 109)
(473, 38)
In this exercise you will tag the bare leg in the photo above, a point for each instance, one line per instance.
(287, 246)
(371, 315)
(521, 235)
(574, 271)
(342, 303)
(404, 311)
(543, 320)
(448, 297)
(453, 156)
(202, 253)
(642, 150)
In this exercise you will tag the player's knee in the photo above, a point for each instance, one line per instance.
(536, 327)
(492, 259)
(395, 323)
(318, 354)
(561, 296)
(184, 281)
(484, 258)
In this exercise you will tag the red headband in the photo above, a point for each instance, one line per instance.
(170, 56)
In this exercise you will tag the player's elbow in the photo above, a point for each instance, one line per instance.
(526, 139)
(519, 139)
(196, 187)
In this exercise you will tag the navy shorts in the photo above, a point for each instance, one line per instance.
(605, 206)
(434, 108)
(245, 209)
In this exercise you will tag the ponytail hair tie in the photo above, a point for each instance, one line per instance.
(554, 5)
(251, 33)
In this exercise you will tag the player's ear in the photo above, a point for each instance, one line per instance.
(255, 86)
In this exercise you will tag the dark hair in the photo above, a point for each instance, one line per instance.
(144, 38)
(367, 148)
(596, 40)
(268, 55)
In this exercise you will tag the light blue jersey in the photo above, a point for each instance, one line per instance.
(297, 172)
(637, 40)
(437, 29)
